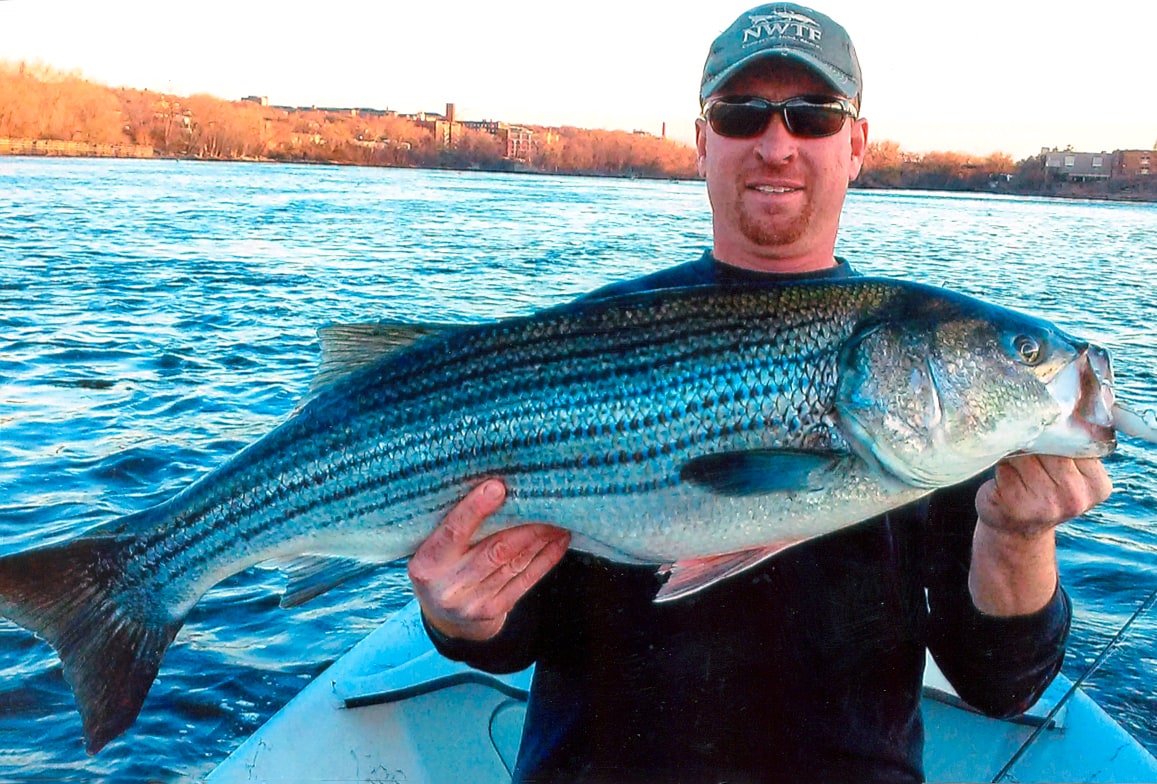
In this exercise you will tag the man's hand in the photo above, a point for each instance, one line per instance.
(1014, 569)
(1033, 494)
(465, 590)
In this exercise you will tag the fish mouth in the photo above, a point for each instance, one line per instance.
(1095, 401)
(1084, 391)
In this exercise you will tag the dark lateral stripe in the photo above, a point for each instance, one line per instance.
(358, 461)
(374, 483)
(492, 410)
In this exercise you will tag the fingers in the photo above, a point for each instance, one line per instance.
(451, 539)
(1097, 479)
(1069, 487)
(511, 580)
(467, 589)
(472, 596)
(1033, 493)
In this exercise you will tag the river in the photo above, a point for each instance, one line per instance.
(156, 316)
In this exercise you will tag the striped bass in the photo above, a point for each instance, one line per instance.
(700, 430)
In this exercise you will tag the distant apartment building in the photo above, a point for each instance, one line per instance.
(1085, 166)
(483, 126)
(446, 133)
(1134, 163)
(517, 142)
(446, 129)
(1072, 165)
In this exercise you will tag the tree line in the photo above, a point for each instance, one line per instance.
(886, 165)
(38, 102)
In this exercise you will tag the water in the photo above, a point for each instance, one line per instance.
(157, 316)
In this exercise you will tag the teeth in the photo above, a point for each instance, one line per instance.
(771, 189)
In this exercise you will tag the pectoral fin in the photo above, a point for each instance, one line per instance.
(760, 471)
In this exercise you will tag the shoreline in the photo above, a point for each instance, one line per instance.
(99, 152)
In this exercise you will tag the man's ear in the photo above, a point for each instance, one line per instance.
(859, 147)
(701, 146)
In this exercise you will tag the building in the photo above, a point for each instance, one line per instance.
(518, 142)
(1079, 166)
(1134, 163)
(446, 129)
(484, 126)
(1086, 166)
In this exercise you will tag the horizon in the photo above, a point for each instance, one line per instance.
(415, 59)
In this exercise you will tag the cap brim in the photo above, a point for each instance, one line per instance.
(841, 82)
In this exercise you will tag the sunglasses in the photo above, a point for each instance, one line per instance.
(745, 116)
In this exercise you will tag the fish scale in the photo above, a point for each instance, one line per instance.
(691, 341)
(698, 342)
(699, 430)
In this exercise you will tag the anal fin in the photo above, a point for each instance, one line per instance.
(311, 576)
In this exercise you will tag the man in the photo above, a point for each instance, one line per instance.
(808, 667)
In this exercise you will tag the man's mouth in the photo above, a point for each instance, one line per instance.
(775, 188)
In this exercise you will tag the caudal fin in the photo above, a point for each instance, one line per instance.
(110, 640)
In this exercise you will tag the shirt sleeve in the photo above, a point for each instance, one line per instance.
(1000, 666)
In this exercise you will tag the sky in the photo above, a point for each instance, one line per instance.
(1010, 76)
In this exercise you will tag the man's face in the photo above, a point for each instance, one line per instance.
(776, 198)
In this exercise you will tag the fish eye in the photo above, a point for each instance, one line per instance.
(1028, 349)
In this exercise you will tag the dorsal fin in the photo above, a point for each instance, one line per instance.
(347, 347)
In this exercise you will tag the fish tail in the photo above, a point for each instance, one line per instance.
(78, 598)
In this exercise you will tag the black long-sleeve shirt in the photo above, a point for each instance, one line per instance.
(805, 668)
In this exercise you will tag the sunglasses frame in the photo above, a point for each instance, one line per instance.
(772, 108)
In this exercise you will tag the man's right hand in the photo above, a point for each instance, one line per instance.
(467, 590)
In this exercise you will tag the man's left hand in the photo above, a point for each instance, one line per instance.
(1013, 569)
(1034, 493)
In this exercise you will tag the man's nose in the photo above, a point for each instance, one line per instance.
(776, 144)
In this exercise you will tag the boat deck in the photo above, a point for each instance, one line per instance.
(392, 709)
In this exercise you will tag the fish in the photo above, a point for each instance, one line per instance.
(700, 430)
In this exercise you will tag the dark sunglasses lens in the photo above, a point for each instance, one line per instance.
(739, 120)
(813, 121)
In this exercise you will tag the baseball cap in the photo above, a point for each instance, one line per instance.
(789, 31)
